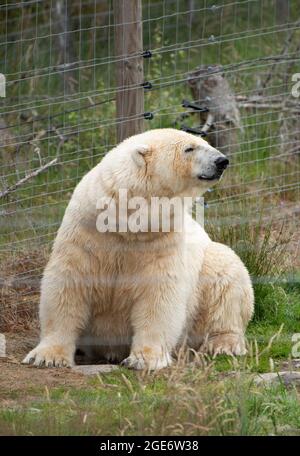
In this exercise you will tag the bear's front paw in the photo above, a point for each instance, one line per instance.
(146, 359)
(224, 344)
(50, 356)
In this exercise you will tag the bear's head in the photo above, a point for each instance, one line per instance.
(166, 162)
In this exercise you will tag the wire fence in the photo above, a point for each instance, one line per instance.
(58, 117)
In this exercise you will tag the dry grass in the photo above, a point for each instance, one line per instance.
(19, 289)
(191, 398)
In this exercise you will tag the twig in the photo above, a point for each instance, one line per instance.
(208, 124)
(28, 177)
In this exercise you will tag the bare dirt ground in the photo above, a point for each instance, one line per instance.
(19, 298)
(17, 379)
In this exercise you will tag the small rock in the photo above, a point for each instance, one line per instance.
(2, 346)
(294, 362)
(287, 430)
(288, 378)
(93, 369)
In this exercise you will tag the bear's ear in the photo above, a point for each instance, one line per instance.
(138, 154)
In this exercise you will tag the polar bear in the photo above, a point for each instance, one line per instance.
(138, 295)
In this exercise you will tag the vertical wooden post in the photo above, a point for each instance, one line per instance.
(129, 70)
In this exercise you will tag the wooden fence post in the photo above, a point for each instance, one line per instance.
(129, 67)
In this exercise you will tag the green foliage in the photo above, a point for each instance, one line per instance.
(262, 247)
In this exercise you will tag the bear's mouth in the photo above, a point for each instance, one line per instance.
(210, 178)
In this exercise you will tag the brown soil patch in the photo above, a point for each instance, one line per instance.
(19, 381)
(15, 378)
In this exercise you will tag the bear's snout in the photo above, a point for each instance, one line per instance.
(214, 168)
(221, 163)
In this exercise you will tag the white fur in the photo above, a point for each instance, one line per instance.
(140, 294)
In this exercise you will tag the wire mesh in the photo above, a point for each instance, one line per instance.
(58, 117)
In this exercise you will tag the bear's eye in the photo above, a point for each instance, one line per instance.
(189, 149)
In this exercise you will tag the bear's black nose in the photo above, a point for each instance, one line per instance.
(222, 163)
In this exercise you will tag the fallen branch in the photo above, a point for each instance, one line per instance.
(262, 102)
(28, 177)
(267, 106)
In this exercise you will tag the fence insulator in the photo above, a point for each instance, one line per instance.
(194, 131)
(148, 115)
(147, 85)
(147, 54)
(196, 107)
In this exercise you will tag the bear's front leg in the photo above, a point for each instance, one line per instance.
(63, 313)
(158, 319)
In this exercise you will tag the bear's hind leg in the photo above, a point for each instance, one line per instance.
(225, 298)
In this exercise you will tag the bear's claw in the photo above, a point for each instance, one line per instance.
(48, 356)
(229, 344)
(140, 362)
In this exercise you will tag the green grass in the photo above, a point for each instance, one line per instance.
(183, 401)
